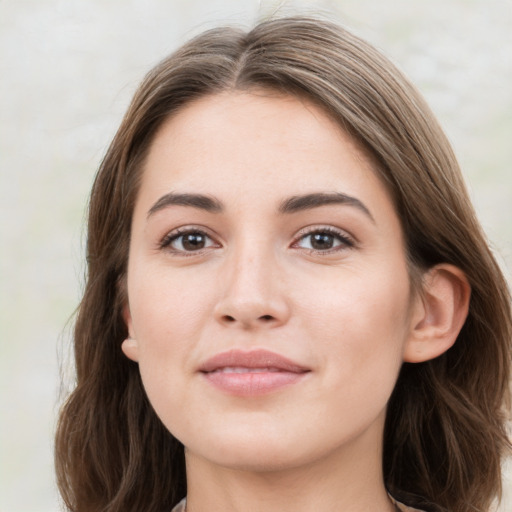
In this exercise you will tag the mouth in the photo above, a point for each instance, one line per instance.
(251, 373)
(241, 369)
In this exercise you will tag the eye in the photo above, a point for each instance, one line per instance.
(324, 240)
(187, 241)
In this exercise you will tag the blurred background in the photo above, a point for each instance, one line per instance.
(67, 71)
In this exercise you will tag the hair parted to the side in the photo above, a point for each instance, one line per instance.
(445, 432)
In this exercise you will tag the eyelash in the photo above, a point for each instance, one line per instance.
(180, 232)
(347, 242)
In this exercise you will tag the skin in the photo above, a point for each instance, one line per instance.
(346, 313)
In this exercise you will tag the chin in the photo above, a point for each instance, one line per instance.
(260, 459)
(260, 451)
(247, 450)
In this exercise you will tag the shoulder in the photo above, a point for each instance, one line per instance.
(404, 508)
(180, 507)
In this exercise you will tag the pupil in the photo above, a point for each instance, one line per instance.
(193, 242)
(322, 241)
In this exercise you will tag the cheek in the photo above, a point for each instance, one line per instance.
(168, 317)
(361, 321)
(165, 304)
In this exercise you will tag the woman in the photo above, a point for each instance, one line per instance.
(290, 304)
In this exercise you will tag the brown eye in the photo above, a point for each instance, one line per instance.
(324, 240)
(193, 241)
(189, 241)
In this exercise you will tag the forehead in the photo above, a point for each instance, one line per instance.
(256, 144)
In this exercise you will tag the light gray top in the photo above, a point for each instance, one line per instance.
(180, 507)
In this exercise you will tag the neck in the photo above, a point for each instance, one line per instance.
(348, 479)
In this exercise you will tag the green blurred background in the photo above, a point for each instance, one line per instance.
(67, 71)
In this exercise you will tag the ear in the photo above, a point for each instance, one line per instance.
(439, 313)
(130, 346)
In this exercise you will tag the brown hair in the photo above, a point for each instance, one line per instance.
(445, 430)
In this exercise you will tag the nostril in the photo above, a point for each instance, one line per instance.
(229, 319)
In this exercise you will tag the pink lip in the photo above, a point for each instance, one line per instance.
(251, 373)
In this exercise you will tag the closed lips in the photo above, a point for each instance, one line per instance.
(256, 361)
(229, 369)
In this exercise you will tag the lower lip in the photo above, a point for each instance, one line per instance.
(253, 384)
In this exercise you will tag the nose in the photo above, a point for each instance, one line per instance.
(252, 291)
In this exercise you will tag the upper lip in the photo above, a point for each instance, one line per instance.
(251, 359)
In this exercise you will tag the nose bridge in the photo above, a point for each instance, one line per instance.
(252, 285)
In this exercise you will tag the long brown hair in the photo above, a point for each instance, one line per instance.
(445, 436)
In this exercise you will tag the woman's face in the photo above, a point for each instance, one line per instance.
(269, 296)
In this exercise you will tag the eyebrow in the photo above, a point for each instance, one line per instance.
(309, 201)
(291, 205)
(199, 201)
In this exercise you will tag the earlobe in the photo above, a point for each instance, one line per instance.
(439, 314)
(130, 349)
(129, 346)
